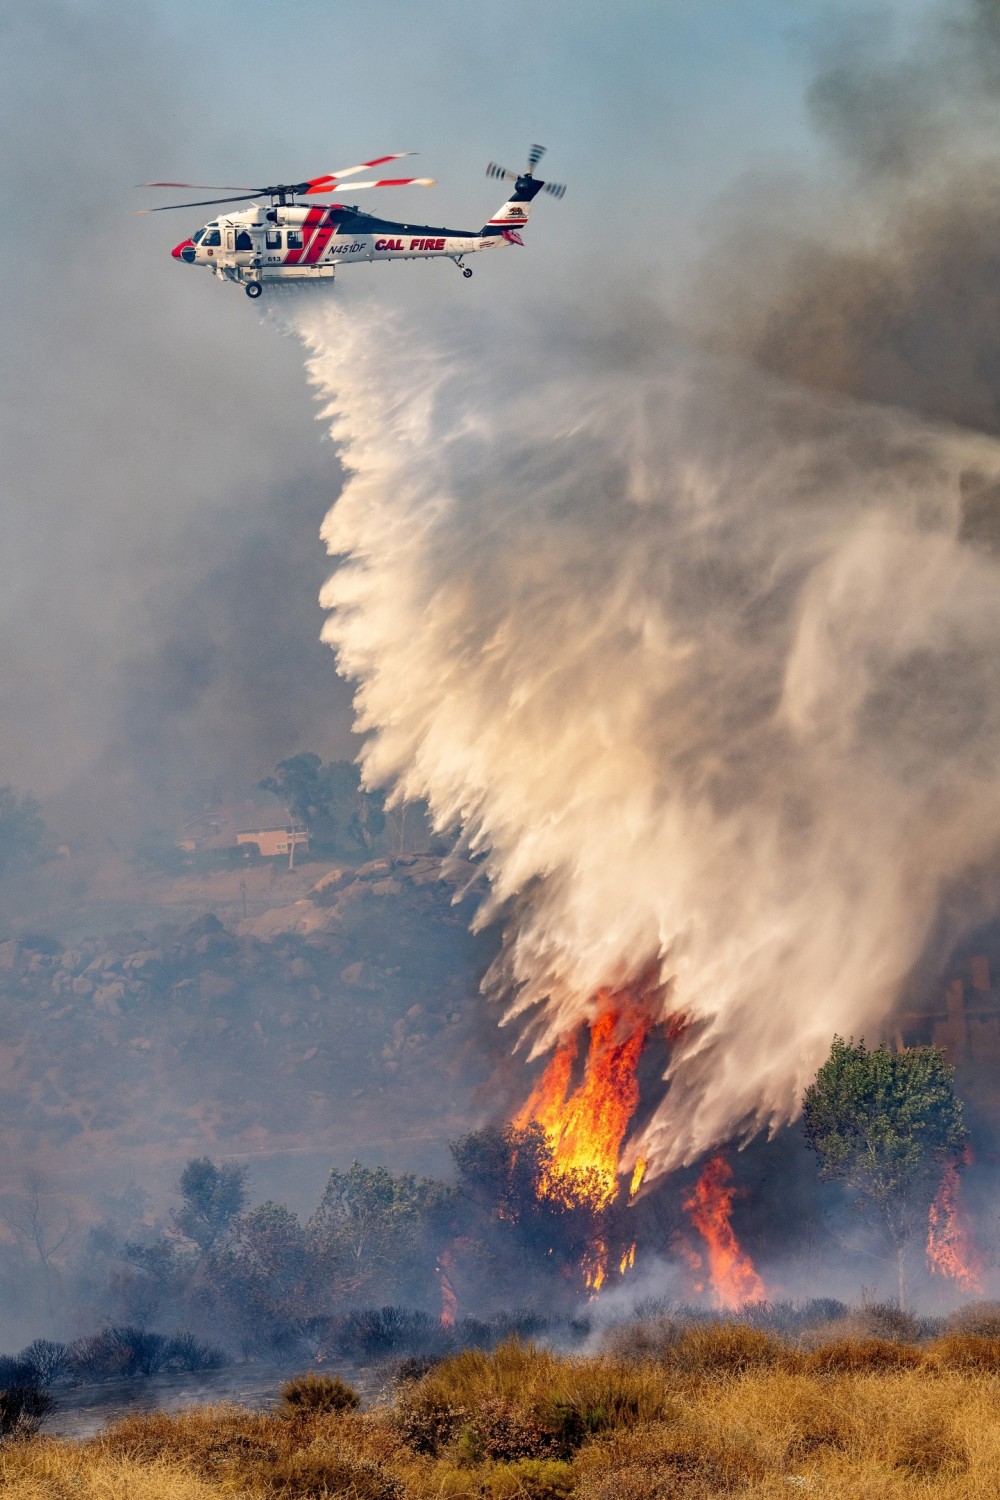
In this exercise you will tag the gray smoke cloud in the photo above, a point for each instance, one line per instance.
(883, 282)
(700, 663)
(159, 566)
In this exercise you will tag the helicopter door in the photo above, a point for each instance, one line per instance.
(229, 236)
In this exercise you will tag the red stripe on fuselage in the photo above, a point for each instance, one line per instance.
(308, 229)
(317, 247)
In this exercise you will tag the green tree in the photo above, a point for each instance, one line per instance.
(266, 1276)
(330, 801)
(526, 1223)
(22, 831)
(374, 1229)
(211, 1197)
(885, 1124)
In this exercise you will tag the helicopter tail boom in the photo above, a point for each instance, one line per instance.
(514, 213)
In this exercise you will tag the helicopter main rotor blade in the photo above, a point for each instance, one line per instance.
(347, 171)
(201, 187)
(202, 203)
(356, 187)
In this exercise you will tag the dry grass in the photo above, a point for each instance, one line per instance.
(709, 1416)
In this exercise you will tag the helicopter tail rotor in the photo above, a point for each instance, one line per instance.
(535, 154)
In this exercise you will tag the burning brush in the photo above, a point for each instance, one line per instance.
(585, 1117)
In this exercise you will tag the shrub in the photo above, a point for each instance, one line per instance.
(725, 1348)
(652, 1463)
(117, 1353)
(501, 1432)
(23, 1408)
(184, 1352)
(426, 1420)
(884, 1320)
(532, 1479)
(373, 1333)
(311, 1472)
(979, 1318)
(647, 1338)
(414, 1367)
(863, 1356)
(45, 1359)
(925, 1442)
(310, 1394)
(14, 1371)
(966, 1351)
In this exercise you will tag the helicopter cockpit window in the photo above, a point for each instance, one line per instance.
(198, 236)
(273, 239)
(243, 241)
(212, 238)
(294, 239)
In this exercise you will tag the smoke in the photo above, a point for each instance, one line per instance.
(883, 283)
(157, 621)
(701, 664)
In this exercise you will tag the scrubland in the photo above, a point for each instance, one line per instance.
(662, 1409)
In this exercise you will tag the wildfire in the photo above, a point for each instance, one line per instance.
(951, 1250)
(710, 1204)
(595, 1266)
(586, 1127)
(638, 1173)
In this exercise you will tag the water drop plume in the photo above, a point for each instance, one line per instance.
(703, 666)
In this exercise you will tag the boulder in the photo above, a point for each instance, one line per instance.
(108, 996)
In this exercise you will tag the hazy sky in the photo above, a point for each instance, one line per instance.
(164, 479)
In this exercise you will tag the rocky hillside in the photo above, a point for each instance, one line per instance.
(349, 1018)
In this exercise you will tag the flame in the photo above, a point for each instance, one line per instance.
(595, 1266)
(449, 1302)
(710, 1204)
(638, 1173)
(628, 1260)
(585, 1128)
(951, 1250)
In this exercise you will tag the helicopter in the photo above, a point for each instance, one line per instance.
(289, 242)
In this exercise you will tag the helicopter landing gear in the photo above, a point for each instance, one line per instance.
(467, 271)
(253, 289)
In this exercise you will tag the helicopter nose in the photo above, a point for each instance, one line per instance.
(184, 251)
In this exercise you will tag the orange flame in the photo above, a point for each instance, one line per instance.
(638, 1173)
(628, 1260)
(595, 1266)
(710, 1204)
(951, 1250)
(585, 1128)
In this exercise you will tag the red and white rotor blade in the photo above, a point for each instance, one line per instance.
(206, 187)
(349, 171)
(356, 187)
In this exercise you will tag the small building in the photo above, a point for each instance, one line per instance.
(274, 839)
(265, 826)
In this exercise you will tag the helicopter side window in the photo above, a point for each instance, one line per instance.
(213, 237)
(243, 241)
(272, 239)
(294, 239)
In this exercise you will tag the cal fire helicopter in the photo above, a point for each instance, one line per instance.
(291, 242)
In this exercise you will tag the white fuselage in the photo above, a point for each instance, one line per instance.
(293, 242)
